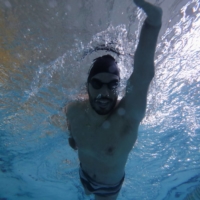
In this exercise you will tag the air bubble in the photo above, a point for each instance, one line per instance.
(121, 111)
(52, 3)
(106, 125)
(69, 8)
(8, 4)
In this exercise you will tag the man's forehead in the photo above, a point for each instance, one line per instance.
(105, 76)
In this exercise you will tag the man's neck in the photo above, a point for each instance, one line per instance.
(93, 116)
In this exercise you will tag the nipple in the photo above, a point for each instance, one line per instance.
(121, 111)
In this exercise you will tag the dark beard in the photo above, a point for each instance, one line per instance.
(102, 112)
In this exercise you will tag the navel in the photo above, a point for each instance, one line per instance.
(110, 150)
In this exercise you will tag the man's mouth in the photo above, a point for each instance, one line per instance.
(103, 102)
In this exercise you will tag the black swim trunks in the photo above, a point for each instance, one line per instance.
(99, 188)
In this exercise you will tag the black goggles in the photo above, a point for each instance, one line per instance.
(97, 84)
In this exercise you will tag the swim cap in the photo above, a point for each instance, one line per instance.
(104, 64)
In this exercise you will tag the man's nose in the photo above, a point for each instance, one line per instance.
(104, 91)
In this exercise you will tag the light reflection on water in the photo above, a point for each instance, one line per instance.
(35, 87)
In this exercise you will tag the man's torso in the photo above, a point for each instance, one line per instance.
(103, 147)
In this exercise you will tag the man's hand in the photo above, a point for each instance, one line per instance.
(72, 143)
(139, 3)
(154, 13)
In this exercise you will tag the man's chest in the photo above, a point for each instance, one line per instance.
(110, 137)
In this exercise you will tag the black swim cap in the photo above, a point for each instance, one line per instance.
(103, 64)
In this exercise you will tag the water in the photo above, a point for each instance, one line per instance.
(45, 46)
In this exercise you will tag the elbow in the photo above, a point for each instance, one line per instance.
(149, 74)
(144, 69)
(148, 77)
(152, 74)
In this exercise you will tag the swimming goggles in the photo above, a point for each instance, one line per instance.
(97, 84)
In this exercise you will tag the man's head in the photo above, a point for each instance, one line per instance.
(102, 84)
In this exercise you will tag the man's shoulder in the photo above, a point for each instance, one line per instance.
(74, 107)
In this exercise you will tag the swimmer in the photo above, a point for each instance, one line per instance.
(104, 129)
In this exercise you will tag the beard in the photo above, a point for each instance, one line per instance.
(102, 109)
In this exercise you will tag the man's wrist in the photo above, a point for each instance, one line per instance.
(154, 14)
(139, 3)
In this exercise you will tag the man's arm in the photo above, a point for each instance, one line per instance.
(135, 98)
(69, 115)
(144, 55)
(154, 13)
(71, 140)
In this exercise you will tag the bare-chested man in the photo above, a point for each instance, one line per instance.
(103, 129)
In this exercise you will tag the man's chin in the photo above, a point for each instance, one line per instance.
(103, 110)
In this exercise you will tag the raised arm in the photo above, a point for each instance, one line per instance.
(135, 98)
(154, 13)
(144, 55)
